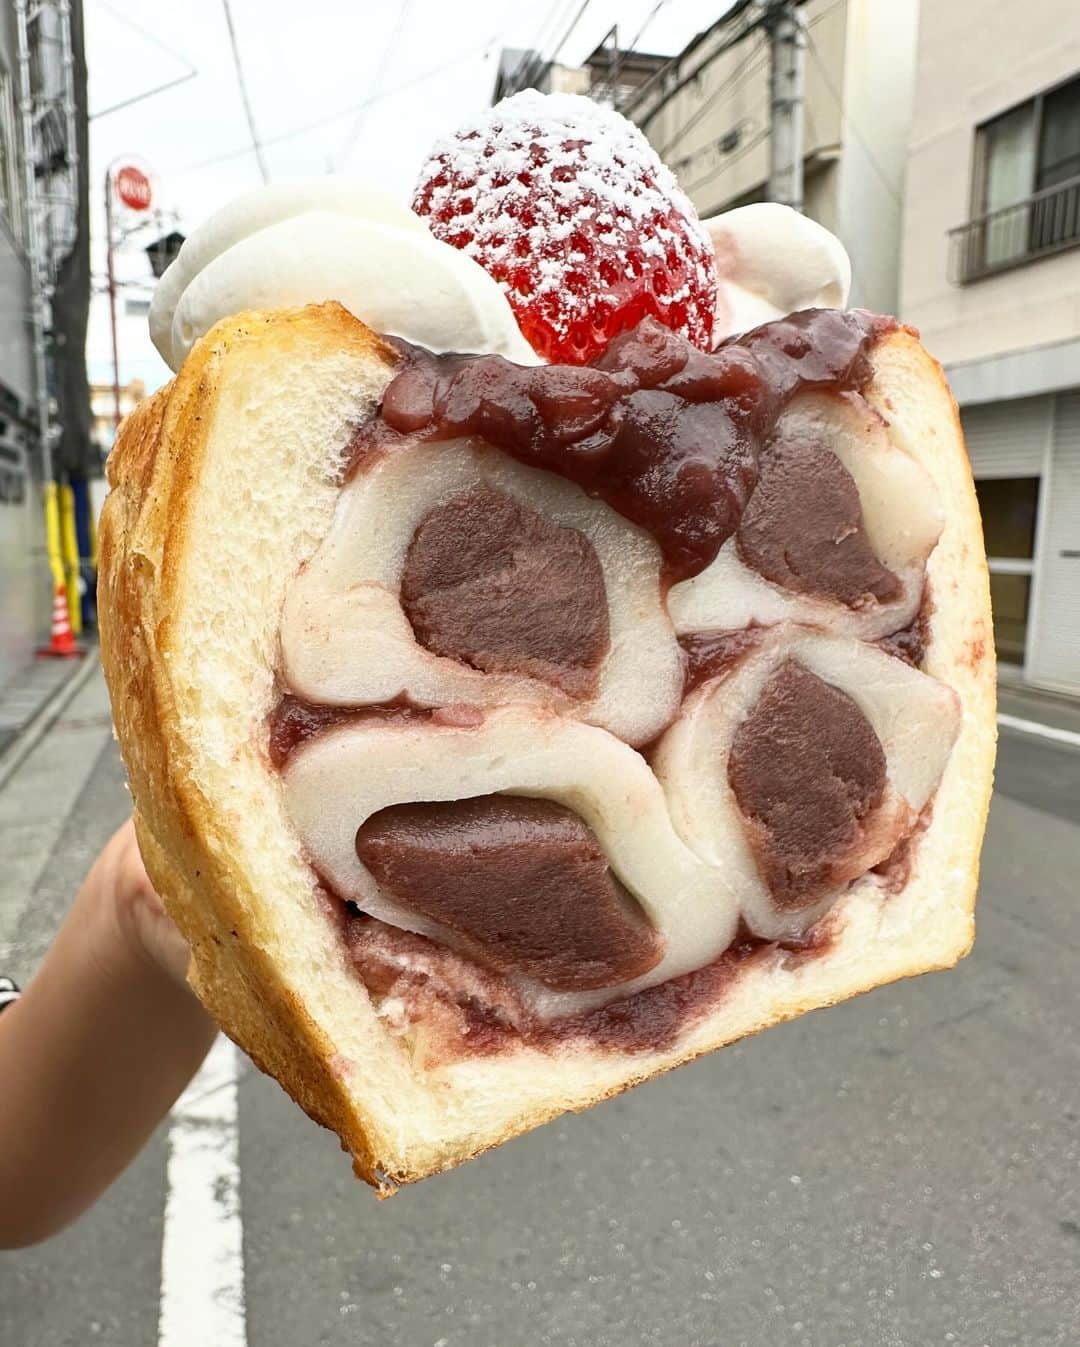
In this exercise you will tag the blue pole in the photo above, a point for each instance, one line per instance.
(83, 532)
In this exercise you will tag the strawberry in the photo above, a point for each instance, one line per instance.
(569, 208)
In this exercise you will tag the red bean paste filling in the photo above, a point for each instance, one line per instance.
(398, 963)
(522, 883)
(494, 584)
(714, 654)
(910, 642)
(803, 527)
(807, 771)
(669, 436)
(293, 721)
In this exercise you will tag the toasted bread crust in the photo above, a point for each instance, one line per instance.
(154, 474)
(156, 471)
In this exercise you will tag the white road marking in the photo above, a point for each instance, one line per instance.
(202, 1250)
(1037, 728)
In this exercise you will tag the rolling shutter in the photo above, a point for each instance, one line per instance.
(1008, 439)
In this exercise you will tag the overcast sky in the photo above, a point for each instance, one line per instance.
(428, 62)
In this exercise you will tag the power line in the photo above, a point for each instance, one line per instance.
(550, 61)
(735, 80)
(674, 66)
(566, 36)
(532, 49)
(729, 159)
(646, 25)
(138, 98)
(319, 122)
(608, 85)
(145, 33)
(260, 158)
(716, 143)
(846, 117)
(671, 68)
(380, 76)
(190, 71)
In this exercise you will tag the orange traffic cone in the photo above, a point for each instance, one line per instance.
(61, 641)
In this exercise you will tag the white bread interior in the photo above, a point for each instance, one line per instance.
(224, 483)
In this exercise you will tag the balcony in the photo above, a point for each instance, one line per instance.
(1042, 224)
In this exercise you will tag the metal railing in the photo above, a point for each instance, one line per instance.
(1044, 223)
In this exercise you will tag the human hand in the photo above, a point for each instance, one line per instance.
(97, 1049)
(119, 884)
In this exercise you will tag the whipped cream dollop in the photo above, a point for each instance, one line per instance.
(772, 261)
(310, 240)
(307, 241)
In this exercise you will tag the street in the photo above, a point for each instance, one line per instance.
(899, 1171)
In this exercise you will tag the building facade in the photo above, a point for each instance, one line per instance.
(103, 408)
(23, 569)
(708, 115)
(51, 194)
(991, 277)
(610, 74)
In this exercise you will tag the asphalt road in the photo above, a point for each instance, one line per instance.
(899, 1171)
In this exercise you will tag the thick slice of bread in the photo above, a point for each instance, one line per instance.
(224, 483)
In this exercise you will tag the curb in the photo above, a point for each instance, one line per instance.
(46, 716)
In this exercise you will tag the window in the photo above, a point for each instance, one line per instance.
(1009, 508)
(1008, 159)
(1059, 139)
(10, 194)
(1056, 212)
(1026, 187)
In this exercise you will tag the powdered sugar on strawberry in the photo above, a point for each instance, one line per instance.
(567, 205)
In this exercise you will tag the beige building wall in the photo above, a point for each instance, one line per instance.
(977, 58)
(1010, 341)
(859, 75)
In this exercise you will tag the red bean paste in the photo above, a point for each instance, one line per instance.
(803, 527)
(522, 883)
(494, 584)
(293, 721)
(669, 436)
(711, 654)
(466, 1009)
(910, 642)
(807, 771)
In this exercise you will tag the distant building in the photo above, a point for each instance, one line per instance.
(57, 82)
(23, 573)
(708, 116)
(991, 277)
(609, 74)
(103, 408)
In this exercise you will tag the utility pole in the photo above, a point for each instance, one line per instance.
(784, 23)
(50, 187)
(33, 215)
(110, 263)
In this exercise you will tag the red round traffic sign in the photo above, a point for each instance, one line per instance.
(133, 187)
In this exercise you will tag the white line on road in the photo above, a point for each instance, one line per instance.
(202, 1249)
(1037, 728)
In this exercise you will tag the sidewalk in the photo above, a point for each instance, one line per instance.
(24, 696)
(37, 801)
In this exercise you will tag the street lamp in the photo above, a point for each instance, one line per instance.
(163, 252)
